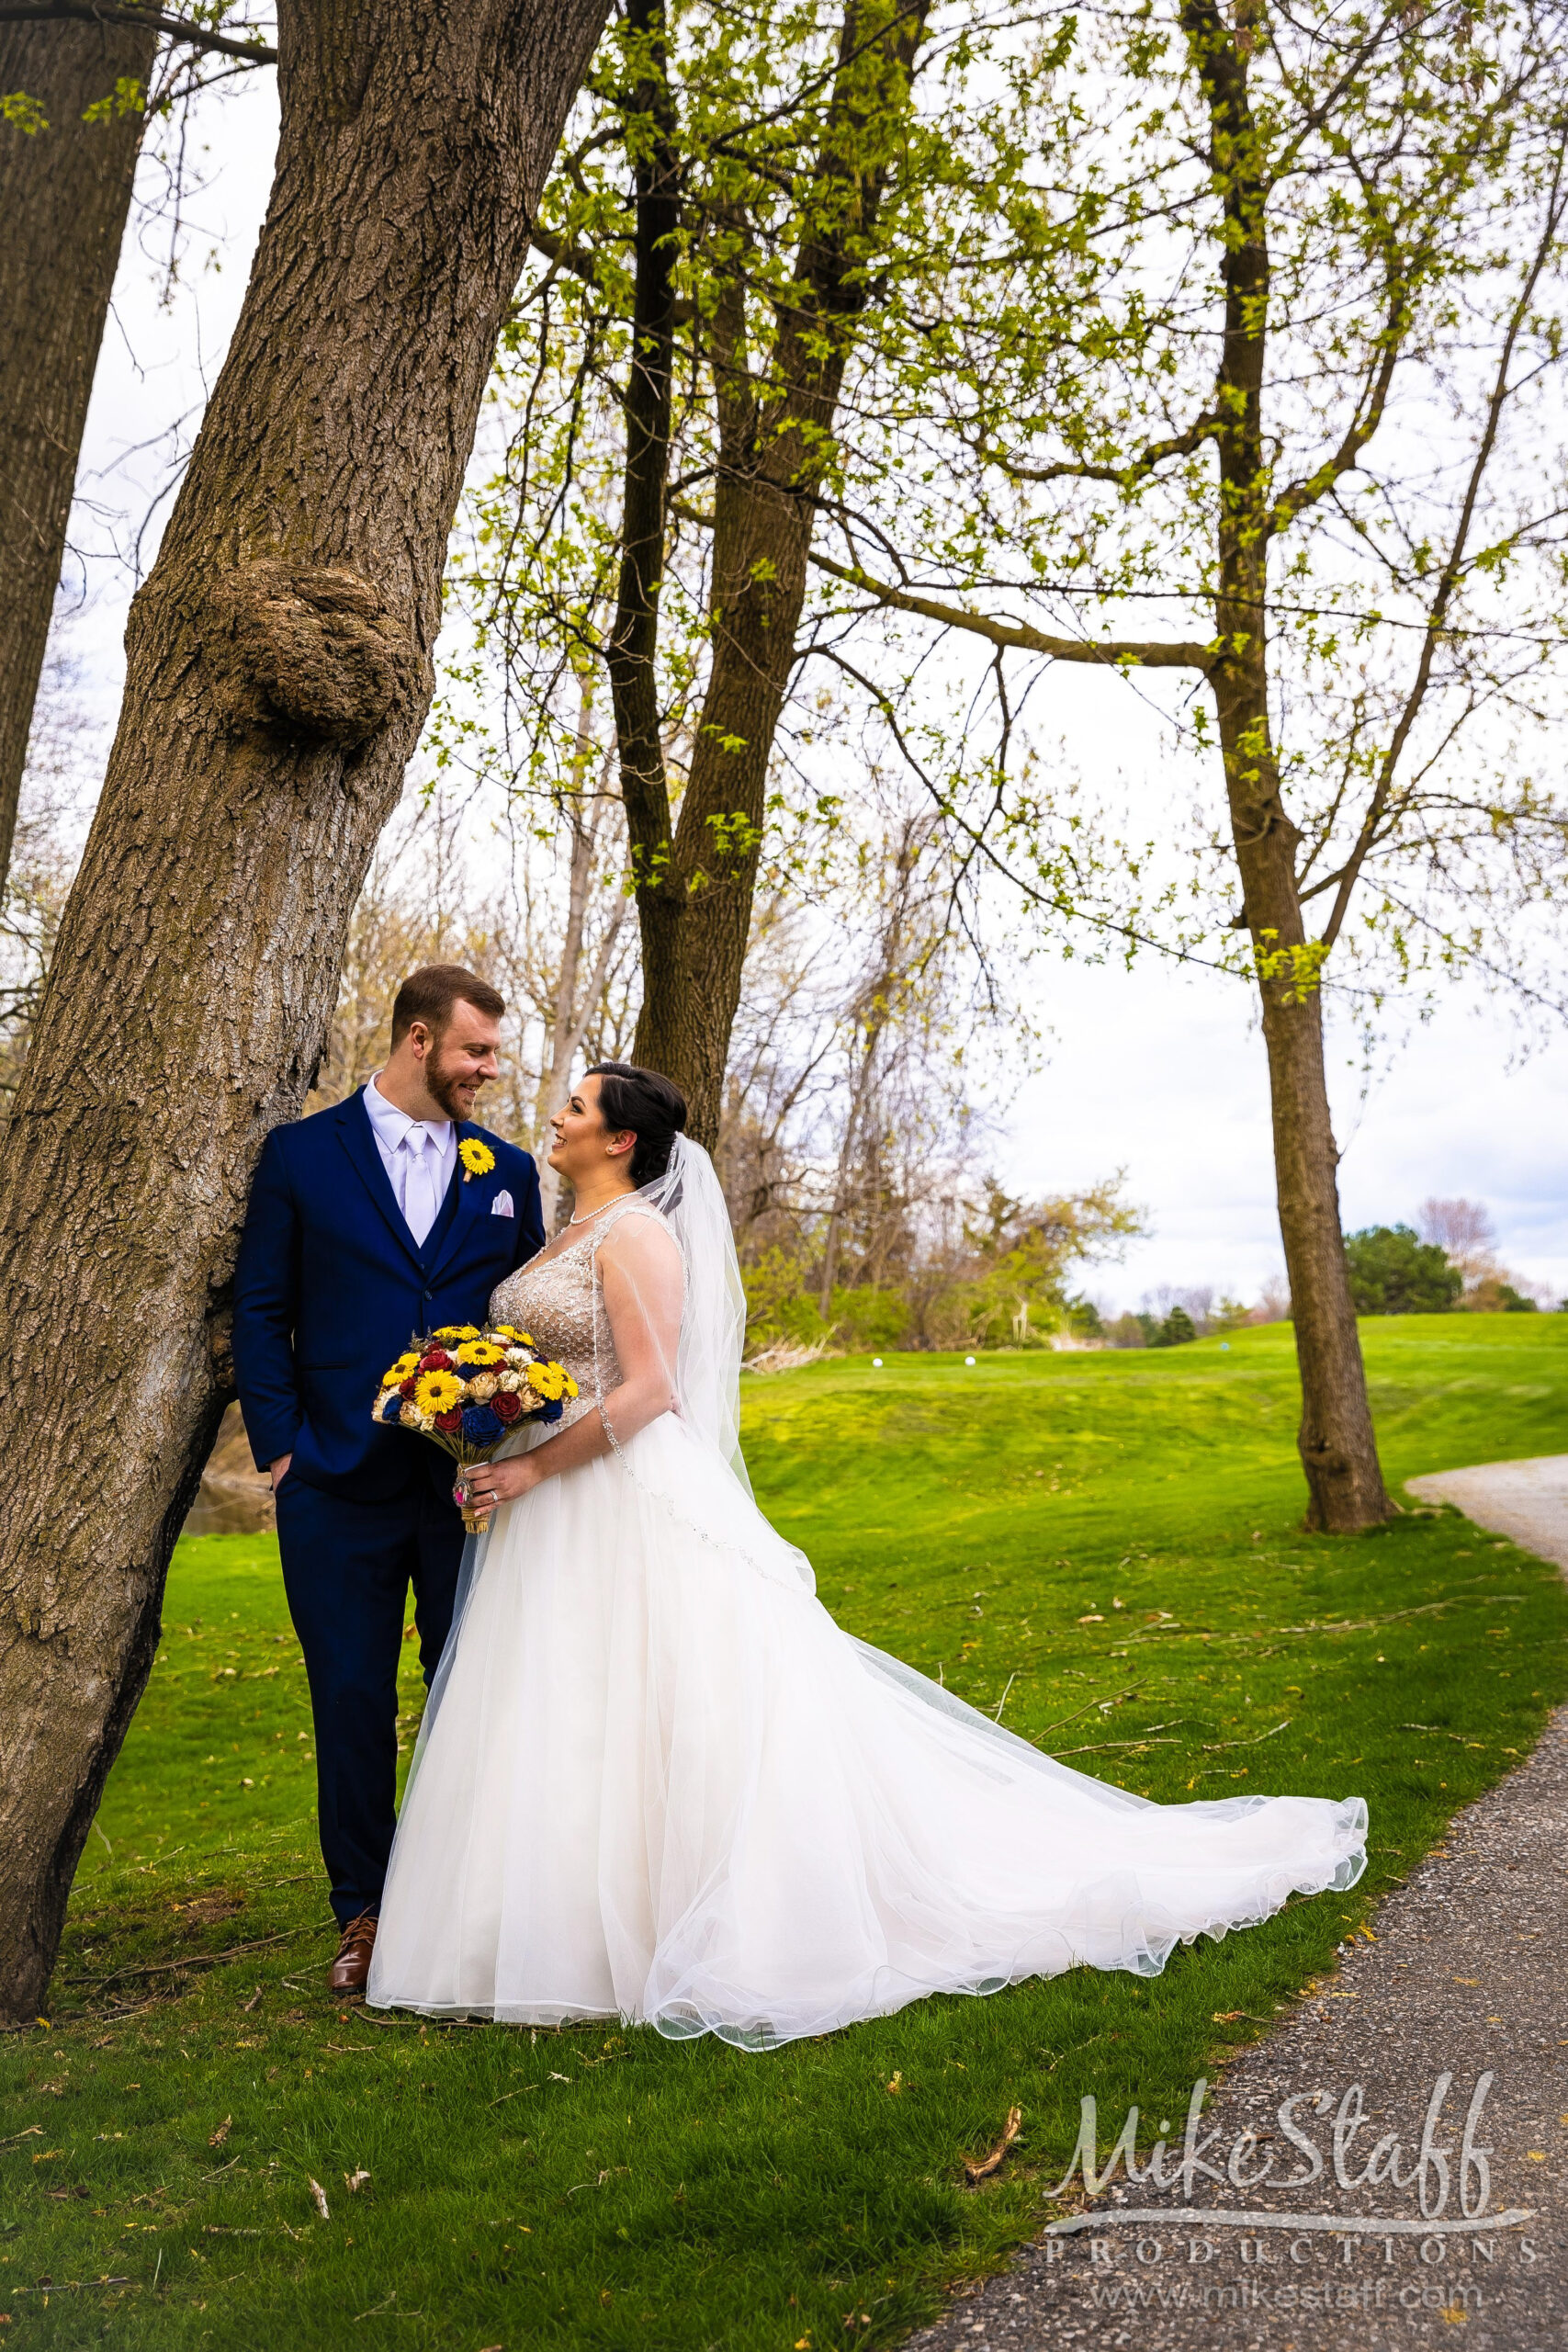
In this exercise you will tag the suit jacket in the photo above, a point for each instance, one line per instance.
(330, 1284)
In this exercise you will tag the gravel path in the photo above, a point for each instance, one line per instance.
(1465, 1979)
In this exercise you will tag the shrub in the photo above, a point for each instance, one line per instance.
(1495, 1294)
(1393, 1273)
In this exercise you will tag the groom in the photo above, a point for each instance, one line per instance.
(384, 1217)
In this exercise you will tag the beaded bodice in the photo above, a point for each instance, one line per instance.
(558, 1303)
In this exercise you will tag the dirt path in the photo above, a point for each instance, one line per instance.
(1466, 1980)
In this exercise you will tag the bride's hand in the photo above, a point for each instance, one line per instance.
(486, 1483)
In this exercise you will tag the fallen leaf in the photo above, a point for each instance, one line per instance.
(217, 2138)
(897, 2084)
(356, 2179)
(992, 2161)
(319, 2194)
(1227, 2017)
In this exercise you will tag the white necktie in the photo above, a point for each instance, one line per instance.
(420, 1204)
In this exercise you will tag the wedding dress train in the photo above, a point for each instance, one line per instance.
(658, 1782)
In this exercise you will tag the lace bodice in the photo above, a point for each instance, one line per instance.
(558, 1303)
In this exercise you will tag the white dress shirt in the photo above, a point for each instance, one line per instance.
(419, 1155)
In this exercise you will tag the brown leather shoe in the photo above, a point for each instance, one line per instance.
(352, 1965)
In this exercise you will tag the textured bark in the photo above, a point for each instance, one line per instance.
(278, 672)
(64, 194)
(1338, 1447)
(694, 891)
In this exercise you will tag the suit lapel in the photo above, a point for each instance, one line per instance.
(359, 1142)
(468, 1202)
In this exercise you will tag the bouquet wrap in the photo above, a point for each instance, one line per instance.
(466, 1388)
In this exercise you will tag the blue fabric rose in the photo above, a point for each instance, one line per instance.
(393, 1410)
(480, 1426)
(552, 1412)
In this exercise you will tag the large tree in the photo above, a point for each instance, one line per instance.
(279, 666)
(76, 88)
(717, 244)
(1246, 364)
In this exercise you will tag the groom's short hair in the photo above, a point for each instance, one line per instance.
(429, 995)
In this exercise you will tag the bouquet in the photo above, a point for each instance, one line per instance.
(466, 1388)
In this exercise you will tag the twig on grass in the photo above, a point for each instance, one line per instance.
(195, 1958)
(1318, 1625)
(32, 2131)
(1144, 1739)
(1098, 1747)
(974, 2174)
(71, 2286)
(1211, 1747)
(1113, 1701)
(1424, 1609)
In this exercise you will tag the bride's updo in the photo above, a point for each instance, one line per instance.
(645, 1104)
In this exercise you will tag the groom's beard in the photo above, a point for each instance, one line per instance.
(442, 1083)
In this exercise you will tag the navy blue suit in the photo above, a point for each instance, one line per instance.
(329, 1286)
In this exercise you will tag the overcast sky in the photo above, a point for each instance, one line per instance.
(1158, 1070)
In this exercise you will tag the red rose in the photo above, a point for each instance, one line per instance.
(450, 1423)
(436, 1361)
(405, 1387)
(505, 1405)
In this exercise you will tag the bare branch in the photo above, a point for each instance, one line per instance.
(1141, 653)
(1361, 429)
(1453, 569)
(554, 249)
(1126, 477)
(126, 12)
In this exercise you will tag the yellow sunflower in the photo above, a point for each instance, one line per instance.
(477, 1158)
(408, 1363)
(438, 1392)
(546, 1380)
(481, 1352)
(453, 1332)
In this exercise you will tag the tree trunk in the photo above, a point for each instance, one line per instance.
(1338, 1448)
(64, 194)
(695, 893)
(1338, 1445)
(872, 1015)
(695, 915)
(279, 667)
(574, 1002)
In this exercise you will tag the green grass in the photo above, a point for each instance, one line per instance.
(1109, 1542)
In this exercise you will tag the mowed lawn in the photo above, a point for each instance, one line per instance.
(1105, 1547)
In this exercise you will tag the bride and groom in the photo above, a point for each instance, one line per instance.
(655, 1779)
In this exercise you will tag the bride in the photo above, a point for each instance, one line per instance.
(656, 1781)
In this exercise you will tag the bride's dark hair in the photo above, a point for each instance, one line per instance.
(647, 1104)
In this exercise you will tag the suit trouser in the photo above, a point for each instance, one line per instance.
(347, 1568)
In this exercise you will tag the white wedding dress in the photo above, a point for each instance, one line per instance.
(656, 1782)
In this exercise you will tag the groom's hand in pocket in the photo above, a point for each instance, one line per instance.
(280, 1470)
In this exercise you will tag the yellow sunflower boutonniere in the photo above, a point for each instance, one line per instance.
(477, 1158)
